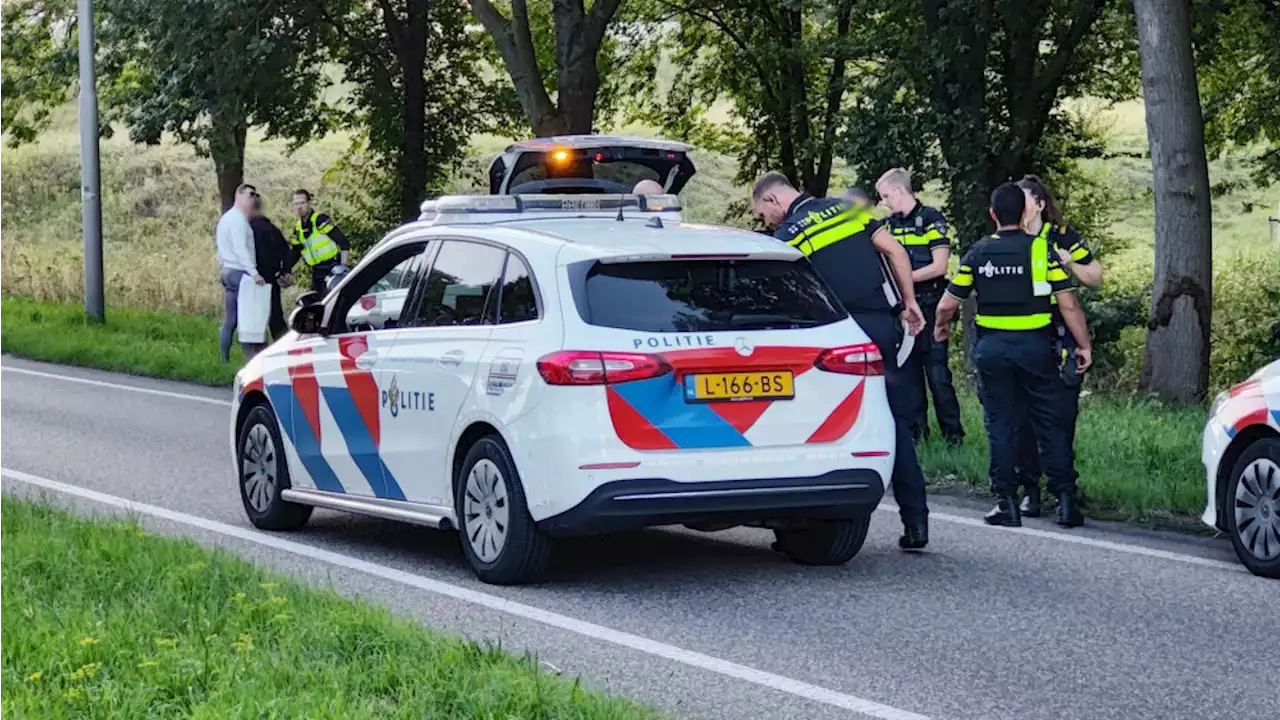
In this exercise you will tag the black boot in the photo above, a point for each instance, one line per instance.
(1031, 499)
(1005, 512)
(914, 536)
(1069, 514)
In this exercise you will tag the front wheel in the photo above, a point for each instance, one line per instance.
(264, 474)
(824, 542)
(499, 537)
(1253, 517)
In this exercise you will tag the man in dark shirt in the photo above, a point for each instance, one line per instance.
(275, 258)
(845, 245)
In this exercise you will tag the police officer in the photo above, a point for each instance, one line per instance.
(859, 198)
(1014, 274)
(1043, 219)
(923, 231)
(842, 242)
(317, 240)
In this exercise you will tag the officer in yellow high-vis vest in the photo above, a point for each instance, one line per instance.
(1014, 276)
(317, 240)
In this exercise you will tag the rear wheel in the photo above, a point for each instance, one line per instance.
(1253, 516)
(824, 542)
(264, 474)
(499, 538)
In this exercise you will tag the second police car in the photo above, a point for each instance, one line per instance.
(522, 368)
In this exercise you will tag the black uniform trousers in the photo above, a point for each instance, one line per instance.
(276, 322)
(907, 479)
(1029, 469)
(1020, 383)
(930, 359)
(319, 275)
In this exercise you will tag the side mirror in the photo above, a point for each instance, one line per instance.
(308, 320)
(311, 297)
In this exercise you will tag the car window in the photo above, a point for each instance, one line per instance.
(375, 298)
(517, 302)
(707, 295)
(459, 285)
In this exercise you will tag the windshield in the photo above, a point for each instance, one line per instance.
(708, 295)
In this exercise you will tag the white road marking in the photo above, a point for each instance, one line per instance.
(884, 507)
(119, 386)
(638, 643)
(1082, 540)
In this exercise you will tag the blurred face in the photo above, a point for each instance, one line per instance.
(896, 198)
(245, 199)
(770, 209)
(857, 200)
(301, 206)
(1031, 214)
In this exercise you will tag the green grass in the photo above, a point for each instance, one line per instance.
(1138, 459)
(108, 621)
(142, 342)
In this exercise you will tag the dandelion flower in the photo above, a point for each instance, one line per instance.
(35, 676)
(89, 640)
(86, 671)
(73, 693)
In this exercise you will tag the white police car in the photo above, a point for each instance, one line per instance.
(1241, 455)
(557, 365)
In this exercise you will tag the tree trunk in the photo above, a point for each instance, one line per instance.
(413, 162)
(1176, 364)
(228, 162)
(576, 89)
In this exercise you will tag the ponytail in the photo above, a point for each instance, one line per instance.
(1041, 192)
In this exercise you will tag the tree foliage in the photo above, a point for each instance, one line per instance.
(39, 47)
(570, 66)
(417, 96)
(783, 66)
(207, 71)
(972, 91)
(1238, 64)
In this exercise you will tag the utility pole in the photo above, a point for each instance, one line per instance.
(90, 181)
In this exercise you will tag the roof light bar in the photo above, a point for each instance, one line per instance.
(571, 204)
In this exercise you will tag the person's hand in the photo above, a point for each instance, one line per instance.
(914, 318)
(1084, 359)
(257, 279)
(1064, 257)
(285, 280)
(941, 332)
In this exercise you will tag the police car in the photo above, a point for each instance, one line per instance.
(550, 366)
(1241, 454)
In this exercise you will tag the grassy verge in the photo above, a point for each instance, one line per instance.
(1137, 459)
(107, 621)
(142, 342)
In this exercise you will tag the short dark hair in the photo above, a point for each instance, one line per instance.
(304, 193)
(857, 193)
(1008, 202)
(769, 181)
(246, 186)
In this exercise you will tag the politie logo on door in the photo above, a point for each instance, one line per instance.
(396, 400)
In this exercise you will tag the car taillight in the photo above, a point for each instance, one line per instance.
(851, 360)
(576, 367)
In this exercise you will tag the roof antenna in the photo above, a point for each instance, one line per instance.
(655, 222)
(620, 204)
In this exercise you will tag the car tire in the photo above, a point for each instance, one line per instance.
(499, 538)
(264, 474)
(1253, 507)
(824, 542)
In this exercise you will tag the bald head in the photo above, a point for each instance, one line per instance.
(648, 187)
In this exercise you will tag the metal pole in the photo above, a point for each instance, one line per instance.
(90, 182)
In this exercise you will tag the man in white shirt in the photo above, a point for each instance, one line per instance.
(236, 258)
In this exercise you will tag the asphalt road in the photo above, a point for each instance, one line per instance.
(989, 623)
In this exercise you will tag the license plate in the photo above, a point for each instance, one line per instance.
(719, 387)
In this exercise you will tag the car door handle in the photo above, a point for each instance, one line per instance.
(366, 360)
(453, 358)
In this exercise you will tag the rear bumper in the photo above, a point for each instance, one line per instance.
(643, 502)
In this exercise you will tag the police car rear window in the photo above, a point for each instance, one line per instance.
(707, 295)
